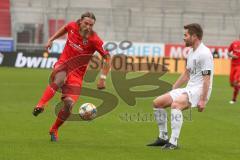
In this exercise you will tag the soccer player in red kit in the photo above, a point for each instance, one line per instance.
(234, 53)
(69, 70)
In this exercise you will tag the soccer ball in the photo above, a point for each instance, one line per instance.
(87, 111)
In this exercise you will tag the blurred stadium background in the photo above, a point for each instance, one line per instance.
(31, 22)
(153, 26)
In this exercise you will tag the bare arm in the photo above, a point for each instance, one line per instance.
(203, 97)
(232, 55)
(182, 79)
(104, 71)
(106, 64)
(206, 83)
(58, 34)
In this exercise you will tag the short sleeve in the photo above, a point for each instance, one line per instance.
(69, 26)
(230, 48)
(98, 43)
(206, 62)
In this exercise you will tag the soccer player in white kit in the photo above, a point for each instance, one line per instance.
(198, 75)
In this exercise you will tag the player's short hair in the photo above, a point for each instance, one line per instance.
(195, 28)
(89, 15)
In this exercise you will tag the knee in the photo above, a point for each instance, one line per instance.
(157, 104)
(154, 104)
(176, 105)
(68, 104)
(59, 82)
(179, 105)
(59, 78)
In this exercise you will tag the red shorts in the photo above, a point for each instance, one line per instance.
(235, 75)
(73, 82)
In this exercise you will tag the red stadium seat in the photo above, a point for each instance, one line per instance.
(5, 19)
(54, 25)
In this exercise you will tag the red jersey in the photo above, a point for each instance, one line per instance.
(79, 49)
(235, 49)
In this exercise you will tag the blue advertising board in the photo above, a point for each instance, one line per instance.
(6, 44)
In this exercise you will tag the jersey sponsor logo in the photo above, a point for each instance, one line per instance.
(236, 50)
(1, 58)
(75, 46)
(34, 62)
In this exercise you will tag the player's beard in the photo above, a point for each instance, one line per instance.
(84, 32)
(188, 43)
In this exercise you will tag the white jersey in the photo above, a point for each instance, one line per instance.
(198, 61)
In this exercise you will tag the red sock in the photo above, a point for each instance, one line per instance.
(62, 116)
(48, 94)
(235, 93)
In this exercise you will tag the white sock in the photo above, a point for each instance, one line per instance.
(161, 118)
(176, 125)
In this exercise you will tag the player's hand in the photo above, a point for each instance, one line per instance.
(235, 57)
(101, 83)
(49, 44)
(201, 105)
(174, 87)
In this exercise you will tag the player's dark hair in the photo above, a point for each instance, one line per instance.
(89, 15)
(196, 29)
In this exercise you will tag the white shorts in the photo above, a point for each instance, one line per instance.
(193, 94)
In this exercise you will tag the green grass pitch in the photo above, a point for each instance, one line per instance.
(211, 135)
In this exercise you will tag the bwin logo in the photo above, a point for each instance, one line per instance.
(34, 62)
(1, 58)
